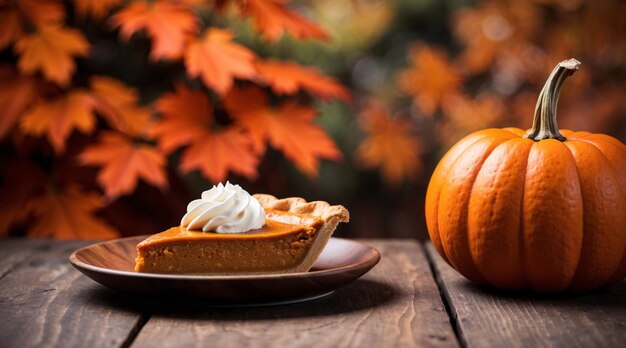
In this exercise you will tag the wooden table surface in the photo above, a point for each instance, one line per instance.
(410, 299)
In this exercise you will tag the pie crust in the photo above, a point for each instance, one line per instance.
(331, 216)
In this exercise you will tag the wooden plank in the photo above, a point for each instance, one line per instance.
(14, 251)
(490, 318)
(397, 304)
(45, 302)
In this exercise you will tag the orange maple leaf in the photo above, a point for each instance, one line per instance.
(96, 9)
(431, 78)
(15, 193)
(10, 27)
(465, 115)
(493, 31)
(286, 77)
(288, 128)
(168, 24)
(118, 104)
(188, 121)
(187, 114)
(17, 93)
(51, 49)
(216, 59)
(68, 214)
(123, 163)
(57, 118)
(40, 12)
(271, 18)
(388, 145)
(215, 153)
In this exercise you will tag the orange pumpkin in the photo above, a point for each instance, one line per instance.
(542, 210)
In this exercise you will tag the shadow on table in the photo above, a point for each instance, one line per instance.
(363, 294)
(613, 292)
(605, 299)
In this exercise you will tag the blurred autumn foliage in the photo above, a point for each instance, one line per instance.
(504, 52)
(485, 68)
(507, 49)
(115, 113)
(46, 93)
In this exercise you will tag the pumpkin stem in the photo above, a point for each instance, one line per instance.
(544, 122)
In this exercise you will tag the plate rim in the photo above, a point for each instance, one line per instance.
(368, 263)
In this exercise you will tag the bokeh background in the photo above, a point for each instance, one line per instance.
(422, 74)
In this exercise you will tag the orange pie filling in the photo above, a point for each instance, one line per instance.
(280, 246)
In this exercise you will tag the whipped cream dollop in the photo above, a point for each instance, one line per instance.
(224, 209)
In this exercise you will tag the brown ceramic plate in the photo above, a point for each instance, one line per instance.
(111, 264)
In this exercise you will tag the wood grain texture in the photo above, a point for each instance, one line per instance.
(397, 304)
(489, 318)
(15, 251)
(44, 302)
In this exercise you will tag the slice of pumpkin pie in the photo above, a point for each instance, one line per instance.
(229, 232)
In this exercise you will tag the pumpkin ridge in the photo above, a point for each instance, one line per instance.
(515, 131)
(443, 181)
(460, 255)
(602, 152)
(603, 138)
(603, 246)
(552, 217)
(433, 193)
(611, 144)
(582, 202)
(496, 182)
(600, 143)
(520, 234)
(620, 272)
(580, 134)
